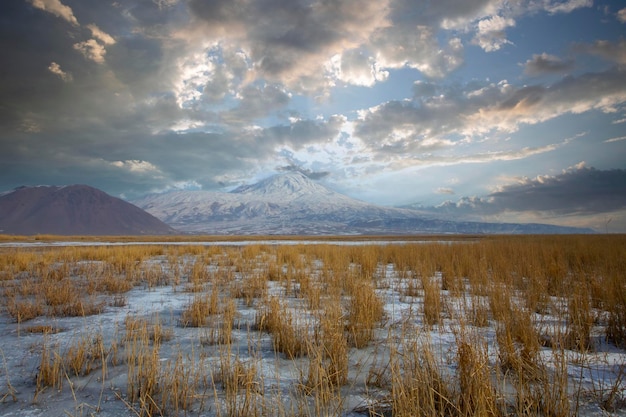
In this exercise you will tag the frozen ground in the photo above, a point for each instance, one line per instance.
(591, 376)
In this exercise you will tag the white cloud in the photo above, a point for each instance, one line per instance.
(293, 44)
(136, 166)
(100, 35)
(434, 130)
(444, 190)
(194, 71)
(417, 48)
(618, 139)
(91, 49)
(491, 32)
(553, 7)
(56, 8)
(621, 15)
(356, 67)
(536, 104)
(56, 69)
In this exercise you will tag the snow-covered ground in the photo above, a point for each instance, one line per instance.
(591, 377)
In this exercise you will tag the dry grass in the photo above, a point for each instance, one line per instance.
(418, 385)
(288, 336)
(197, 312)
(478, 396)
(365, 311)
(323, 306)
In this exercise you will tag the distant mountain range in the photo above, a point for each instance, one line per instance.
(73, 210)
(285, 204)
(291, 203)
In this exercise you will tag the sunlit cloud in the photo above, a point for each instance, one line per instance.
(56, 8)
(92, 50)
(103, 37)
(56, 69)
(491, 32)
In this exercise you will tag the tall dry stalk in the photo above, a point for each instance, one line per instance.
(418, 385)
(478, 395)
(365, 311)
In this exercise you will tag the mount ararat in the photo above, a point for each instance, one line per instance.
(293, 204)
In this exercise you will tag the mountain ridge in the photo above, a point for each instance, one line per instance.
(291, 203)
(73, 210)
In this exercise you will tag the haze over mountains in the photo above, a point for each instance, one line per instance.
(285, 204)
(291, 203)
(73, 210)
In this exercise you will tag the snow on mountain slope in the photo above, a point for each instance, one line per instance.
(284, 203)
(291, 203)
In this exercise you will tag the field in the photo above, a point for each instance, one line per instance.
(493, 326)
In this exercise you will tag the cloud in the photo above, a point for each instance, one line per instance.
(97, 33)
(356, 67)
(556, 6)
(444, 190)
(545, 63)
(309, 173)
(418, 48)
(617, 139)
(621, 15)
(491, 35)
(204, 91)
(92, 50)
(578, 190)
(536, 104)
(288, 42)
(137, 166)
(456, 114)
(613, 52)
(56, 69)
(256, 102)
(56, 8)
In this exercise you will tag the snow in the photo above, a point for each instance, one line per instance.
(595, 373)
(291, 203)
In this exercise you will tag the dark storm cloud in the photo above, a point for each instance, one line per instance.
(137, 161)
(579, 191)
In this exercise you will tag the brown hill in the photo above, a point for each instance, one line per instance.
(73, 210)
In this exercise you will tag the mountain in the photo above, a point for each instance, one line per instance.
(291, 203)
(73, 210)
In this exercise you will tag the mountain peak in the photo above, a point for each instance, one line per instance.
(292, 203)
(291, 183)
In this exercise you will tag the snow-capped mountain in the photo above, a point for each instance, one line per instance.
(291, 203)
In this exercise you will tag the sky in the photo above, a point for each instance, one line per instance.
(491, 110)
